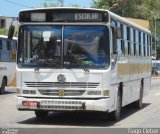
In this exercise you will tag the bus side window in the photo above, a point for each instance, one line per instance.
(140, 44)
(114, 38)
(120, 41)
(134, 42)
(13, 51)
(5, 54)
(128, 40)
(0, 44)
(137, 42)
(125, 39)
(114, 41)
(8, 45)
(0, 49)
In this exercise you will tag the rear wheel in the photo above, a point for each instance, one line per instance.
(41, 114)
(2, 88)
(115, 115)
(138, 103)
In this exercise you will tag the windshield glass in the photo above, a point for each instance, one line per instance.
(83, 47)
(38, 46)
(89, 44)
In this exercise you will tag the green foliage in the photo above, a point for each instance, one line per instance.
(57, 3)
(51, 4)
(3, 31)
(158, 52)
(126, 8)
(75, 5)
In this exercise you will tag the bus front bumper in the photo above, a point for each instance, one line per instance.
(62, 104)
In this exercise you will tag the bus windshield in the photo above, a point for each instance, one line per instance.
(63, 46)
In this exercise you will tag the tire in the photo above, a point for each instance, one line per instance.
(2, 89)
(41, 114)
(138, 104)
(115, 115)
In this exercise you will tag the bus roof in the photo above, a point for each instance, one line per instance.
(128, 22)
(121, 19)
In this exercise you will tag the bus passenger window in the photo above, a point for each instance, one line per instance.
(144, 44)
(114, 43)
(8, 45)
(5, 53)
(13, 51)
(134, 42)
(140, 44)
(122, 47)
(1, 44)
(128, 40)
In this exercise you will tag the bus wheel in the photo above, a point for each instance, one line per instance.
(138, 103)
(41, 114)
(2, 88)
(115, 115)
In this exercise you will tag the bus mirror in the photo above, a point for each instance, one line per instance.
(11, 31)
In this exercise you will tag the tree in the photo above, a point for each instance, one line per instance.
(51, 4)
(158, 52)
(57, 3)
(4, 31)
(126, 8)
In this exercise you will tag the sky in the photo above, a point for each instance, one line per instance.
(11, 8)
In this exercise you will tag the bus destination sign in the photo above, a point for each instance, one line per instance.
(86, 16)
(63, 16)
(77, 17)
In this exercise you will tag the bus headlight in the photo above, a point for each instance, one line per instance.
(29, 91)
(106, 93)
(94, 92)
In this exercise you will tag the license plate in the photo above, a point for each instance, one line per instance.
(29, 103)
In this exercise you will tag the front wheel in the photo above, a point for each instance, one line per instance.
(41, 114)
(2, 88)
(115, 115)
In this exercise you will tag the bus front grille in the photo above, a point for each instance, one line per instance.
(61, 105)
(63, 85)
(53, 92)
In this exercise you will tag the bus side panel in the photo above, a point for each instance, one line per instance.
(146, 86)
(112, 93)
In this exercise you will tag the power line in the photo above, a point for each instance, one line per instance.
(17, 3)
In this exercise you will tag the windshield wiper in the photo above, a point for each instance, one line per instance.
(39, 62)
(78, 61)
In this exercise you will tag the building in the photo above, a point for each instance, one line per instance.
(5, 22)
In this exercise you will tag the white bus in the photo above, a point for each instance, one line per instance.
(81, 59)
(7, 62)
